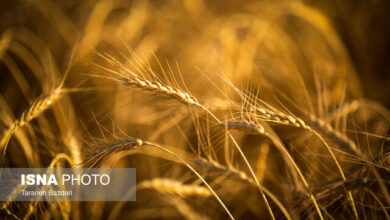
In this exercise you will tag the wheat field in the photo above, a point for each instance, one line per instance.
(227, 109)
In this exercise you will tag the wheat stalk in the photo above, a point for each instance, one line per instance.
(185, 210)
(239, 175)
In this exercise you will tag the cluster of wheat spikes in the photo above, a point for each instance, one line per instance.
(248, 110)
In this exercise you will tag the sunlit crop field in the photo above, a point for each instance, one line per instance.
(227, 109)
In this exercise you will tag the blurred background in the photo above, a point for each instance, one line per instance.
(362, 26)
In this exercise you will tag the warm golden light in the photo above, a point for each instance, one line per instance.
(227, 109)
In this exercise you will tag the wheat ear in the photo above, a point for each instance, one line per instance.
(9, 213)
(142, 82)
(317, 127)
(337, 187)
(130, 144)
(254, 128)
(101, 153)
(194, 171)
(161, 89)
(343, 110)
(38, 106)
(174, 187)
(314, 125)
(325, 129)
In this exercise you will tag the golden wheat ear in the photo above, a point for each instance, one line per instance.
(100, 154)
(178, 194)
(141, 81)
(174, 191)
(161, 89)
(44, 102)
(174, 187)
